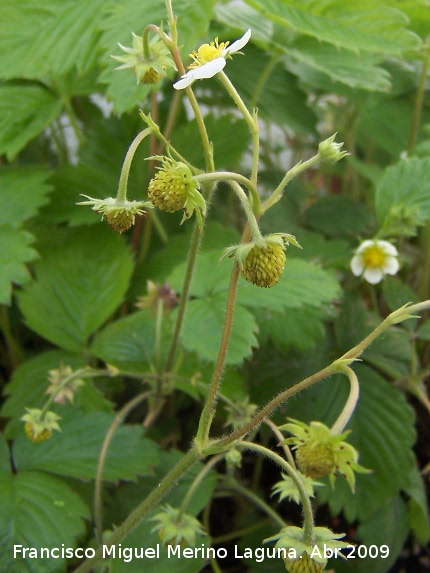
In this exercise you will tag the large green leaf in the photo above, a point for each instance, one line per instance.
(323, 216)
(75, 451)
(27, 388)
(38, 510)
(358, 25)
(25, 111)
(69, 39)
(80, 282)
(402, 197)
(23, 191)
(203, 326)
(129, 343)
(15, 251)
(301, 284)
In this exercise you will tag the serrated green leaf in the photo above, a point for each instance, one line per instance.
(38, 510)
(382, 430)
(359, 25)
(15, 251)
(27, 388)
(75, 451)
(25, 111)
(80, 282)
(23, 191)
(402, 198)
(69, 39)
(299, 328)
(323, 216)
(210, 311)
(129, 343)
(359, 71)
(301, 284)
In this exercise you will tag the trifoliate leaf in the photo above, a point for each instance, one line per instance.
(79, 282)
(75, 451)
(15, 251)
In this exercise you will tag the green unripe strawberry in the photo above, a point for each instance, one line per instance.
(264, 266)
(36, 438)
(168, 189)
(303, 564)
(315, 460)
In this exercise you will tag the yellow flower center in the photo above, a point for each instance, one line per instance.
(207, 52)
(374, 257)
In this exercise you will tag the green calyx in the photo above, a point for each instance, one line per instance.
(320, 453)
(148, 67)
(262, 261)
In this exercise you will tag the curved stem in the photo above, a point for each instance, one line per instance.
(257, 501)
(279, 435)
(351, 403)
(308, 522)
(123, 179)
(142, 509)
(291, 173)
(252, 221)
(98, 513)
(228, 176)
(197, 481)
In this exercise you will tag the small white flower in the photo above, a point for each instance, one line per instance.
(374, 259)
(210, 59)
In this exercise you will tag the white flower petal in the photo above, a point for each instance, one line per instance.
(387, 248)
(239, 44)
(205, 71)
(391, 266)
(184, 82)
(357, 266)
(364, 245)
(373, 276)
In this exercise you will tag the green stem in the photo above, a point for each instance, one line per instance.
(252, 122)
(197, 481)
(228, 176)
(291, 173)
(208, 409)
(142, 509)
(98, 512)
(257, 501)
(351, 403)
(419, 100)
(308, 522)
(123, 179)
(183, 302)
(252, 221)
(278, 434)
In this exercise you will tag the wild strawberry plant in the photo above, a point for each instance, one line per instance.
(214, 314)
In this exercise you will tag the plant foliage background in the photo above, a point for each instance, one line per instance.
(69, 285)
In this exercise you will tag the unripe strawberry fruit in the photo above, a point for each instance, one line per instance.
(263, 266)
(315, 460)
(303, 564)
(36, 438)
(168, 189)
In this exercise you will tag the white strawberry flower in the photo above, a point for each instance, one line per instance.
(374, 259)
(210, 59)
